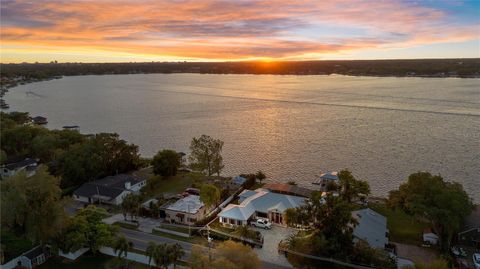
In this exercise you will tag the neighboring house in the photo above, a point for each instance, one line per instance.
(109, 190)
(186, 210)
(238, 180)
(430, 237)
(33, 257)
(371, 228)
(325, 179)
(260, 203)
(28, 165)
(283, 188)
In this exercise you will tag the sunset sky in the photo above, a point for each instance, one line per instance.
(208, 30)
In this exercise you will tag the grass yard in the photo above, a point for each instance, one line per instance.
(184, 230)
(126, 225)
(99, 261)
(403, 228)
(157, 185)
(194, 239)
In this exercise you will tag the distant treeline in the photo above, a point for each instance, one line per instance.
(421, 67)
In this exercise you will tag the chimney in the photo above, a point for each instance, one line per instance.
(128, 185)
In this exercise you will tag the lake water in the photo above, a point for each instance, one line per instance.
(291, 127)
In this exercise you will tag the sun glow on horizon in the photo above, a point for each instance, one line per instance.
(213, 30)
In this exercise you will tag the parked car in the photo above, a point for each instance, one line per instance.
(262, 223)
(476, 260)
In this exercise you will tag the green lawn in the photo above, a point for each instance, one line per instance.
(14, 245)
(126, 225)
(194, 239)
(184, 230)
(99, 261)
(403, 228)
(157, 185)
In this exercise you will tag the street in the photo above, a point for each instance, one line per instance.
(140, 241)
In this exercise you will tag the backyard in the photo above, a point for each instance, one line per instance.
(157, 186)
(402, 227)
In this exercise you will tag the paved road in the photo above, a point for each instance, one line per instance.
(140, 241)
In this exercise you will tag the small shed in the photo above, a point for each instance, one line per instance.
(238, 180)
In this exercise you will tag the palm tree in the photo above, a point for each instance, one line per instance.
(244, 232)
(121, 247)
(151, 251)
(176, 252)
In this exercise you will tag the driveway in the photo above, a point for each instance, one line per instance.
(271, 238)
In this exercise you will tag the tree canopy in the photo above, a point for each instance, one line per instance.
(102, 155)
(209, 195)
(444, 204)
(352, 188)
(228, 255)
(206, 155)
(166, 163)
(86, 229)
(33, 205)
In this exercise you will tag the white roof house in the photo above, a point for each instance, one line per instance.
(189, 204)
(260, 201)
(371, 227)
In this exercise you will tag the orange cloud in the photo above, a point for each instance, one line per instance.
(213, 29)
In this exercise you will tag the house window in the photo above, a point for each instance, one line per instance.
(262, 215)
(191, 220)
(239, 222)
(232, 221)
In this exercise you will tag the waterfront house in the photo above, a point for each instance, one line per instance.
(371, 228)
(109, 190)
(260, 203)
(28, 165)
(186, 210)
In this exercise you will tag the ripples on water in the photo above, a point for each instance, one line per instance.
(291, 127)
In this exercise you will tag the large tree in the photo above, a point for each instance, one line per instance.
(352, 188)
(428, 197)
(209, 195)
(97, 233)
(33, 205)
(166, 163)
(206, 155)
(102, 155)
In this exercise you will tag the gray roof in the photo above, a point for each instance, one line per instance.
(260, 200)
(333, 176)
(109, 187)
(118, 181)
(371, 227)
(188, 204)
(34, 252)
(91, 189)
(24, 163)
(238, 180)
